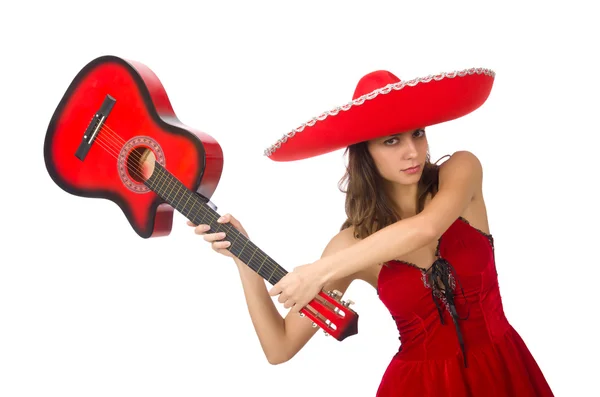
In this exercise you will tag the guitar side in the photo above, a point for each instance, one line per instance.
(114, 119)
(141, 118)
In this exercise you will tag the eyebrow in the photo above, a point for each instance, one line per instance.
(400, 133)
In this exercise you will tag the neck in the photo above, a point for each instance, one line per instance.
(404, 198)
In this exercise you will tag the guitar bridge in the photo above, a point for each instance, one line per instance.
(94, 127)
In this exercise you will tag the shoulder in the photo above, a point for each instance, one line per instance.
(463, 166)
(462, 158)
(343, 239)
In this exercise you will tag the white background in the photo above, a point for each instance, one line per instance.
(87, 308)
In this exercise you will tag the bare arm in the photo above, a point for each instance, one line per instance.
(460, 178)
(280, 338)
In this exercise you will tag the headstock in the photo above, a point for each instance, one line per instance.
(333, 315)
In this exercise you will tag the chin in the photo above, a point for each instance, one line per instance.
(409, 181)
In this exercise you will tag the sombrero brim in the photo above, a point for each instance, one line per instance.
(395, 108)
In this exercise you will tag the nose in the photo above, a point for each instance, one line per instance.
(410, 148)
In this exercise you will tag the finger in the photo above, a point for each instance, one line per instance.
(296, 308)
(189, 223)
(201, 229)
(275, 290)
(225, 218)
(228, 218)
(220, 245)
(282, 298)
(289, 304)
(214, 237)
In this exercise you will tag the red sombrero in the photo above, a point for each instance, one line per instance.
(383, 105)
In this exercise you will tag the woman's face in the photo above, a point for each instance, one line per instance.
(394, 156)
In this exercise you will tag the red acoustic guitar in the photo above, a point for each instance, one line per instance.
(114, 135)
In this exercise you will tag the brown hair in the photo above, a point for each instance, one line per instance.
(368, 206)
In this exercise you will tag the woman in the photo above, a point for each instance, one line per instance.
(416, 231)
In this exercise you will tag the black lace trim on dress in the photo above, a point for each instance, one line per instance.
(442, 272)
(487, 235)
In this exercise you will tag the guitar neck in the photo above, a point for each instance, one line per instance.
(194, 207)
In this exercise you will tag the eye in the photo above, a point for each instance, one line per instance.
(390, 141)
(419, 133)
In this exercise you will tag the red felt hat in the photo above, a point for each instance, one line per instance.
(383, 105)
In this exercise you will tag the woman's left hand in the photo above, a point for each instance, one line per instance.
(297, 288)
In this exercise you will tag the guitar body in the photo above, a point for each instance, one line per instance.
(141, 118)
(115, 136)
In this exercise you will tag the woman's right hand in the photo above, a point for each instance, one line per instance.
(216, 239)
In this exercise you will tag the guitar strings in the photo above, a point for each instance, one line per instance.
(134, 154)
(171, 184)
(113, 138)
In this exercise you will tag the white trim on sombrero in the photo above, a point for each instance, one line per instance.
(384, 90)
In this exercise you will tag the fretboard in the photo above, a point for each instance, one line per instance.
(194, 207)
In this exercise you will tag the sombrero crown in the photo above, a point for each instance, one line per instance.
(384, 105)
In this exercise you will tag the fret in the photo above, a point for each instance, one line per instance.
(194, 207)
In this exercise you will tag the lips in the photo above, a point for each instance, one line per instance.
(413, 170)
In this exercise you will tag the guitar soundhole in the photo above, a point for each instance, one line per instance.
(140, 164)
(136, 162)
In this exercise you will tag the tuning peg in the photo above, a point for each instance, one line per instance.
(314, 325)
(335, 294)
(348, 303)
(301, 314)
(326, 334)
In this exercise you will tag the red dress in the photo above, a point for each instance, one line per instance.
(459, 342)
